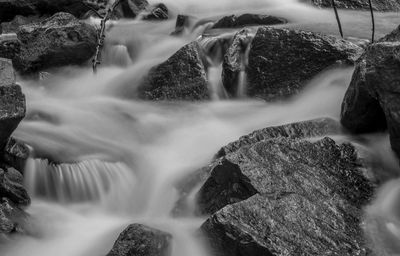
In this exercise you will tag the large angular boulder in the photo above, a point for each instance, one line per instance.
(244, 20)
(12, 101)
(131, 8)
(157, 12)
(378, 5)
(140, 240)
(182, 77)
(287, 196)
(57, 41)
(371, 102)
(281, 61)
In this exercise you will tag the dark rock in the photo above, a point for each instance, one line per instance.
(131, 8)
(12, 26)
(158, 12)
(378, 5)
(281, 61)
(247, 19)
(11, 217)
(371, 102)
(182, 22)
(15, 154)
(57, 41)
(10, 46)
(181, 77)
(287, 196)
(12, 102)
(139, 240)
(301, 130)
(7, 73)
(11, 187)
(235, 61)
(10, 8)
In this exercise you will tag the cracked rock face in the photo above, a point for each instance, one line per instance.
(286, 192)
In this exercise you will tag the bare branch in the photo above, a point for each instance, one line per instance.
(337, 18)
(373, 20)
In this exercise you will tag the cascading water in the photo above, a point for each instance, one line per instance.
(113, 160)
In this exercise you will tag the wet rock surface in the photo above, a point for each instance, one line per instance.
(286, 191)
(9, 46)
(235, 21)
(140, 240)
(378, 5)
(281, 61)
(57, 41)
(371, 102)
(157, 12)
(181, 77)
(131, 8)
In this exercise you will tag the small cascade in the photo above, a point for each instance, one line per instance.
(118, 55)
(90, 180)
(242, 79)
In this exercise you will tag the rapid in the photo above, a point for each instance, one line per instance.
(101, 159)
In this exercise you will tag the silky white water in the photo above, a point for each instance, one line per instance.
(102, 159)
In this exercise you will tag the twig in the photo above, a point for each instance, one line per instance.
(102, 36)
(373, 20)
(337, 18)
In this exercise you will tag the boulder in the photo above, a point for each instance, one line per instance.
(378, 5)
(12, 102)
(182, 22)
(244, 20)
(15, 154)
(371, 102)
(131, 8)
(19, 20)
(286, 196)
(140, 240)
(11, 187)
(10, 8)
(57, 41)
(181, 77)
(235, 61)
(158, 12)
(11, 217)
(281, 61)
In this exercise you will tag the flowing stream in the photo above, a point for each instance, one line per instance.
(102, 160)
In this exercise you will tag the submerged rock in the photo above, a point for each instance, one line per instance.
(140, 240)
(378, 5)
(371, 102)
(247, 19)
(281, 61)
(181, 77)
(57, 41)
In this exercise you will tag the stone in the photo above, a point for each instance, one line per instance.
(9, 46)
(158, 12)
(181, 77)
(19, 20)
(7, 73)
(15, 154)
(11, 217)
(131, 8)
(235, 61)
(371, 101)
(11, 187)
(248, 19)
(281, 61)
(286, 196)
(57, 41)
(182, 22)
(378, 5)
(140, 240)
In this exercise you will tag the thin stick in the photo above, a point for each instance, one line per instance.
(373, 20)
(337, 18)
(102, 36)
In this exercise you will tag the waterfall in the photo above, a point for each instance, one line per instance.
(89, 180)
